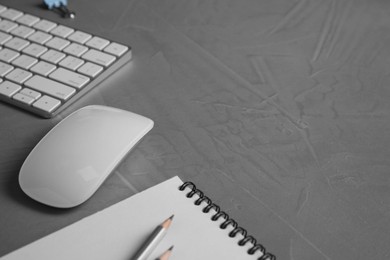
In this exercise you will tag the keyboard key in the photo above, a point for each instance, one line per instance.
(43, 68)
(62, 31)
(23, 98)
(4, 37)
(8, 89)
(2, 8)
(7, 26)
(18, 75)
(16, 44)
(90, 69)
(99, 57)
(28, 19)
(34, 50)
(53, 56)
(69, 77)
(97, 43)
(24, 61)
(75, 49)
(116, 49)
(47, 103)
(39, 37)
(71, 62)
(22, 31)
(79, 37)
(8, 55)
(5, 68)
(50, 87)
(11, 14)
(57, 43)
(31, 93)
(44, 25)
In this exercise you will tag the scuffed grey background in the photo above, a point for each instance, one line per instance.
(279, 111)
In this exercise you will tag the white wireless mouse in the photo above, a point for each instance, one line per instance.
(71, 162)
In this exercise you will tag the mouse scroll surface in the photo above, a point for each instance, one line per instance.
(71, 162)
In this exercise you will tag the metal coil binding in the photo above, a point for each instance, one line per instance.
(227, 221)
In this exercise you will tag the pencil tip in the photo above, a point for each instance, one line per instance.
(166, 254)
(167, 222)
(171, 217)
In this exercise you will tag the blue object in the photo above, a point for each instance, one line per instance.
(55, 3)
(60, 5)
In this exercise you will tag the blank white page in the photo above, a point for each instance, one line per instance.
(119, 230)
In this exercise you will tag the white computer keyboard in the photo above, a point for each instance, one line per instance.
(46, 66)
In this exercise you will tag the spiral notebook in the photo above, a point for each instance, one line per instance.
(200, 230)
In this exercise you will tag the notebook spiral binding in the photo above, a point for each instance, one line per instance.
(228, 221)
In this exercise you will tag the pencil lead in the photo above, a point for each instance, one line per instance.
(167, 222)
(166, 254)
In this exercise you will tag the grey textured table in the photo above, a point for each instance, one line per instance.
(278, 110)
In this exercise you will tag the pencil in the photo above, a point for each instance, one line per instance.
(150, 244)
(166, 254)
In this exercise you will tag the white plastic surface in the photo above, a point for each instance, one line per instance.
(71, 162)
